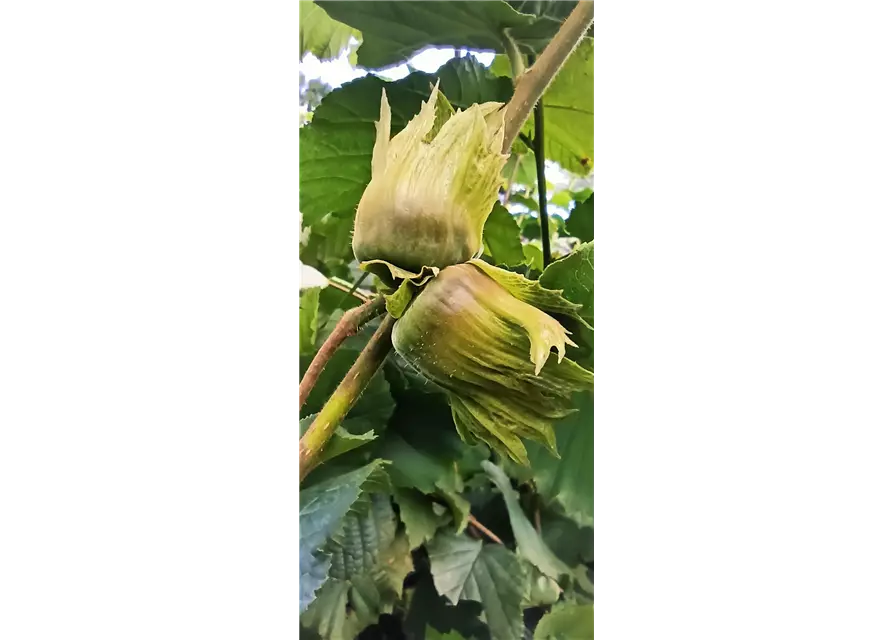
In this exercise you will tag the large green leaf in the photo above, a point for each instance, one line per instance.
(369, 563)
(568, 481)
(568, 110)
(395, 31)
(467, 569)
(530, 544)
(324, 507)
(321, 35)
(363, 537)
(336, 147)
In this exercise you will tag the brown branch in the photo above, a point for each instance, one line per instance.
(344, 397)
(477, 525)
(533, 83)
(348, 325)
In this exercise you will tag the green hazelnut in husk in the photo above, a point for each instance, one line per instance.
(484, 335)
(433, 185)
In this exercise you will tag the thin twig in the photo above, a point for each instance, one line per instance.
(533, 82)
(345, 396)
(348, 325)
(354, 291)
(477, 525)
(539, 153)
(350, 290)
(523, 137)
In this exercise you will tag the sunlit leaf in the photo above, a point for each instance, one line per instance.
(568, 110)
(320, 35)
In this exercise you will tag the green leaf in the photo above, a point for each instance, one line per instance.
(574, 274)
(525, 175)
(321, 35)
(368, 559)
(570, 622)
(570, 541)
(434, 634)
(363, 537)
(430, 468)
(520, 178)
(397, 302)
(328, 247)
(530, 544)
(336, 147)
(533, 256)
(502, 237)
(541, 590)
(412, 467)
(561, 198)
(342, 442)
(533, 208)
(569, 481)
(309, 312)
(426, 608)
(581, 222)
(418, 514)
(579, 274)
(327, 616)
(396, 564)
(426, 452)
(466, 569)
(551, 14)
(568, 110)
(395, 31)
(323, 509)
(459, 507)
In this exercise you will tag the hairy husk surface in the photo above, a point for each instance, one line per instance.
(433, 185)
(492, 352)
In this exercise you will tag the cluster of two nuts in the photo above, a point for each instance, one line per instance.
(484, 334)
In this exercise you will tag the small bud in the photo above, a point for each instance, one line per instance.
(432, 187)
(482, 339)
